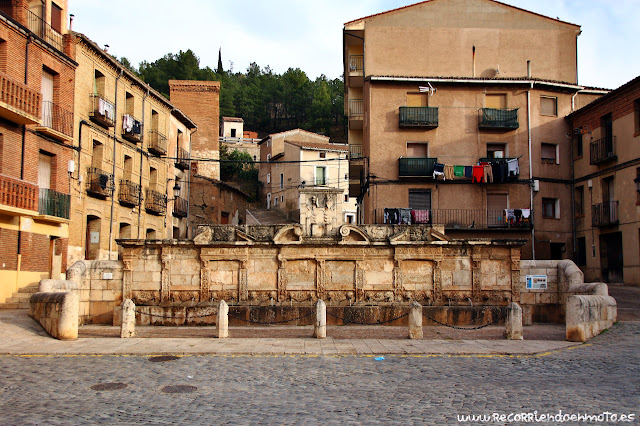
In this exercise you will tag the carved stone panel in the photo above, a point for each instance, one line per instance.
(166, 278)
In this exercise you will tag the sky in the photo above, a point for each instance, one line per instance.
(303, 34)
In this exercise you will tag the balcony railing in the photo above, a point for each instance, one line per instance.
(416, 166)
(180, 207)
(157, 143)
(102, 111)
(156, 202)
(500, 119)
(18, 193)
(356, 152)
(53, 203)
(356, 63)
(356, 107)
(18, 102)
(43, 30)
(418, 117)
(130, 193)
(131, 128)
(602, 150)
(604, 214)
(182, 159)
(479, 219)
(99, 182)
(56, 120)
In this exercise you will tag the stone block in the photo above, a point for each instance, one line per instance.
(588, 315)
(222, 324)
(415, 321)
(320, 325)
(128, 319)
(513, 322)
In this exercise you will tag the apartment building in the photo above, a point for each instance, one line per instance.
(36, 134)
(606, 197)
(294, 161)
(456, 117)
(233, 136)
(131, 179)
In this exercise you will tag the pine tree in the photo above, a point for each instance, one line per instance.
(219, 70)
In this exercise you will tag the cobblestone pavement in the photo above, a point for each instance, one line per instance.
(602, 376)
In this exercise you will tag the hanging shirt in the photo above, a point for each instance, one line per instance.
(513, 167)
(468, 171)
(478, 173)
(405, 216)
(448, 172)
(458, 171)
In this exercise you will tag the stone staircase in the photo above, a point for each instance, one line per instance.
(267, 217)
(20, 299)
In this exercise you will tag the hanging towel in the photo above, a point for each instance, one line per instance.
(497, 176)
(458, 171)
(405, 216)
(478, 173)
(526, 213)
(420, 216)
(488, 173)
(438, 170)
(468, 171)
(513, 167)
(448, 172)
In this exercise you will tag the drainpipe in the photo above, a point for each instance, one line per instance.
(533, 231)
(144, 99)
(115, 129)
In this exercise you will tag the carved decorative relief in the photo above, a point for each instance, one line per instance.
(437, 282)
(243, 289)
(166, 278)
(320, 279)
(359, 282)
(204, 280)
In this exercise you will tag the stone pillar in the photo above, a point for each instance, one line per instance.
(513, 322)
(515, 275)
(128, 323)
(397, 277)
(415, 321)
(282, 278)
(166, 278)
(243, 288)
(127, 278)
(222, 325)
(359, 281)
(476, 264)
(204, 280)
(320, 279)
(320, 328)
(68, 320)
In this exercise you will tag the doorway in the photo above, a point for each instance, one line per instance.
(611, 259)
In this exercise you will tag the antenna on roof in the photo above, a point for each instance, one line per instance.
(430, 89)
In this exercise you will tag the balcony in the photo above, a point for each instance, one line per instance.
(419, 117)
(356, 108)
(416, 166)
(156, 202)
(102, 111)
(130, 193)
(182, 159)
(43, 30)
(131, 128)
(458, 219)
(99, 183)
(356, 64)
(180, 207)
(56, 122)
(157, 143)
(498, 119)
(18, 194)
(53, 203)
(356, 152)
(602, 151)
(604, 214)
(18, 103)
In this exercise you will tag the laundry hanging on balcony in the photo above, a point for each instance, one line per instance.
(105, 109)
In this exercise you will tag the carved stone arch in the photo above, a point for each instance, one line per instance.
(351, 234)
(290, 234)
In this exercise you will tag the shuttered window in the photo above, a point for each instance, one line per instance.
(549, 153)
(44, 171)
(498, 101)
(548, 106)
(420, 199)
(56, 17)
(417, 100)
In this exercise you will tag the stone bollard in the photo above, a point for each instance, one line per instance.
(68, 321)
(415, 321)
(320, 328)
(222, 325)
(513, 322)
(128, 323)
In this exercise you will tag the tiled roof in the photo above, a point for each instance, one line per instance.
(317, 145)
(233, 119)
(605, 98)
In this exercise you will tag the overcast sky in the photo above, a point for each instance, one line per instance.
(308, 35)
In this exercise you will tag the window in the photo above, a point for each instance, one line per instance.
(268, 177)
(233, 133)
(550, 208)
(346, 198)
(155, 120)
(496, 150)
(268, 157)
(417, 150)
(581, 251)
(150, 234)
(577, 145)
(636, 181)
(417, 99)
(128, 167)
(320, 176)
(45, 161)
(3, 56)
(350, 218)
(275, 202)
(56, 17)
(323, 155)
(346, 176)
(496, 204)
(497, 101)
(268, 200)
(579, 200)
(636, 107)
(98, 83)
(549, 153)
(282, 199)
(281, 180)
(548, 106)
(129, 106)
(153, 178)
(97, 155)
(419, 199)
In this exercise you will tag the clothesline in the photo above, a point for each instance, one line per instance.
(496, 171)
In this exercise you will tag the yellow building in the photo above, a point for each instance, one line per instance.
(131, 179)
(435, 89)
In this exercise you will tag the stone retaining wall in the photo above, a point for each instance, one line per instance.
(57, 313)
(589, 315)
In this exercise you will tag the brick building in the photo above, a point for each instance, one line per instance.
(440, 91)
(606, 186)
(36, 134)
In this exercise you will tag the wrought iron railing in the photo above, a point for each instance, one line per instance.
(356, 152)
(18, 193)
(155, 202)
(602, 150)
(604, 214)
(418, 116)
(19, 96)
(356, 107)
(43, 30)
(182, 158)
(493, 118)
(99, 182)
(53, 203)
(356, 63)
(416, 166)
(479, 219)
(57, 118)
(130, 193)
(102, 110)
(131, 128)
(157, 142)
(180, 207)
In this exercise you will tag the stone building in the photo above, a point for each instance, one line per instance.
(607, 185)
(36, 143)
(440, 92)
(131, 179)
(294, 163)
